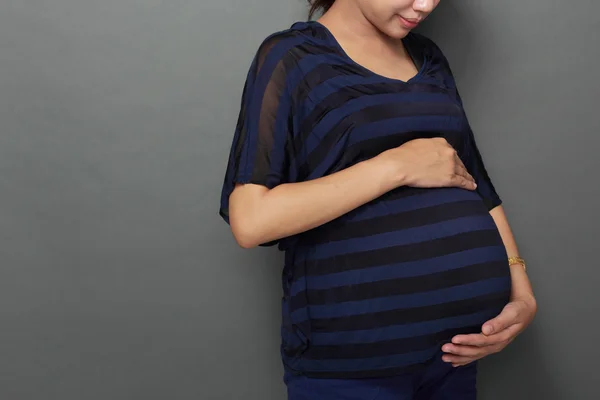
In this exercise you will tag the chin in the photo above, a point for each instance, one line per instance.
(396, 32)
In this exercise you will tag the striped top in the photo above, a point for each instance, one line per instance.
(377, 291)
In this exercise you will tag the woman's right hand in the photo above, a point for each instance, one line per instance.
(261, 215)
(430, 162)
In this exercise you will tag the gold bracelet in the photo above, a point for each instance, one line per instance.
(517, 260)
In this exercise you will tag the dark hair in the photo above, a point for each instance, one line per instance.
(316, 5)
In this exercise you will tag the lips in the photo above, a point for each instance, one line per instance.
(409, 22)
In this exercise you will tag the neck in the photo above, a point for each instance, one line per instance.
(348, 24)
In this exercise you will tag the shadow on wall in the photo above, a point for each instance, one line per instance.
(465, 34)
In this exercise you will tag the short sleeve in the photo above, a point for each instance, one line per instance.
(472, 158)
(260, 151)
(476, 167)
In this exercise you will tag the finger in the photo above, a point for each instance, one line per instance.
(463, 182)
(462, 171)
(479, 352)
(463, 350)
(484, 352)
(507, 334)
(450, 358)
(461, 364)
(509, 316)
(480, 340)
(462, 176)
(474, 339)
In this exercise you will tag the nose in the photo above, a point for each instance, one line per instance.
(425, 6)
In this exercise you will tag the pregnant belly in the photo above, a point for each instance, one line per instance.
(410, 269)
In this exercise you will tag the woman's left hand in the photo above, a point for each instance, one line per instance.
(496, 334)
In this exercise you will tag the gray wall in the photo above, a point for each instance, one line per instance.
(119, 281)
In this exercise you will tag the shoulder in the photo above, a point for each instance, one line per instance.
(428, 45)
(438, 66)
(279, 46)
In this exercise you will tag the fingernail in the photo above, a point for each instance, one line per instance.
(487, 329)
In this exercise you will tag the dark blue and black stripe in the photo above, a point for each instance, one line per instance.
(378, 290)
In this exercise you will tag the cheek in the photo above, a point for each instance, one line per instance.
(392, 27)
(380, 10)
(383, 14)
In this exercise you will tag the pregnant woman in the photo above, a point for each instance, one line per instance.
(353, 154)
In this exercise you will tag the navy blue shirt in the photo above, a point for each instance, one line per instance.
(377, 291)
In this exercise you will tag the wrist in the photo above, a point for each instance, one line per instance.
(393, 171)
(525, 296)
(516, 260)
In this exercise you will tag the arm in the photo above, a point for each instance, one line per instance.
(520, 281)
(262, 200)
(259, 215)
(500, 331)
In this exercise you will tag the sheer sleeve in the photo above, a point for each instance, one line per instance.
(259, 151)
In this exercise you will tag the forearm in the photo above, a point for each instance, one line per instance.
(293, 208)
(520, 280)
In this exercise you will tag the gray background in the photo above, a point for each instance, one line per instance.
(119, 281)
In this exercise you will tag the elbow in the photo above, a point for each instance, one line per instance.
(245, 233)
(245, 242)
(246, 219)
(250, 236)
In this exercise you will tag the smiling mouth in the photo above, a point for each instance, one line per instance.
(413, 20)
(409, 23)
